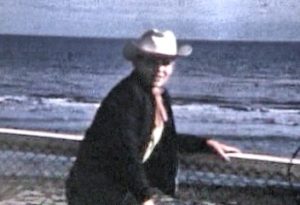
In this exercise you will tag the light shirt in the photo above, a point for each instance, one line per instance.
(154, 139)
(160, 118)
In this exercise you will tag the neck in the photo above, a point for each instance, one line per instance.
(158, 90)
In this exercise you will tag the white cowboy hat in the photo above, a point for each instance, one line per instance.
(155, 42)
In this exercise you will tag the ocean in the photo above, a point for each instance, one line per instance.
(243, 93)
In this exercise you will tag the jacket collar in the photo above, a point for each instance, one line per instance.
(146, 87)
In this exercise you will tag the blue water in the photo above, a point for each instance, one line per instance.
(245, 93)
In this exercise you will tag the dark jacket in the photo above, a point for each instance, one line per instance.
(115, 142)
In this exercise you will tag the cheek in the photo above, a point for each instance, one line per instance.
(144, 69)
(169, 70)
(145, 76)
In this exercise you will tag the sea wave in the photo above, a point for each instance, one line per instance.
(193, 112)
(194, 118)
(266, 128)
(215, 113)
(60, 101)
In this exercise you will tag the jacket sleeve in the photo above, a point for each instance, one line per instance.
(188, 143)
(126, 112)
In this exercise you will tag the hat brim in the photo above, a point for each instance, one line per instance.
(131, 51)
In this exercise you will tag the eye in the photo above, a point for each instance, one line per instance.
(146, 59)
(140, 57)
(166, 62)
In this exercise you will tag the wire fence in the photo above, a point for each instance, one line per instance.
(33, 170)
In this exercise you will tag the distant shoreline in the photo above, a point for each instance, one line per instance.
(4, 35)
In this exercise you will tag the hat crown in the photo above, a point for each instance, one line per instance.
(163, 43)
(156, 42)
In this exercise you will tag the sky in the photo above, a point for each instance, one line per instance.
(251, 20)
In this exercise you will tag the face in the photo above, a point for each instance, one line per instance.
(154, 70)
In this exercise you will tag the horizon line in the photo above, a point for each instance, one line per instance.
(131, 38)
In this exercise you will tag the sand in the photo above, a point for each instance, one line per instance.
(17, 191)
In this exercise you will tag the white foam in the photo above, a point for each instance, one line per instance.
(67, 102)
(226, 115)
(61, 102)
(5, 98)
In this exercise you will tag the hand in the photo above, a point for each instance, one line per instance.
(149, 202)
(221, 149)
(163, 200)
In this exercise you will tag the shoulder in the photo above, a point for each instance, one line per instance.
(167, 97)
(127, 91)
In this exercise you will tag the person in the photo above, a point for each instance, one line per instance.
(129, 153)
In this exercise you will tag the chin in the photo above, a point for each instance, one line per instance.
(158, 84)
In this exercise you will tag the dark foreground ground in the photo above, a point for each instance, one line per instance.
(14, 191)
(32, 172)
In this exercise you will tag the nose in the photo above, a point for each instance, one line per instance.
(160, 68)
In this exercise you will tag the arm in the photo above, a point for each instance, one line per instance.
(188, 143)
(191, 144)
